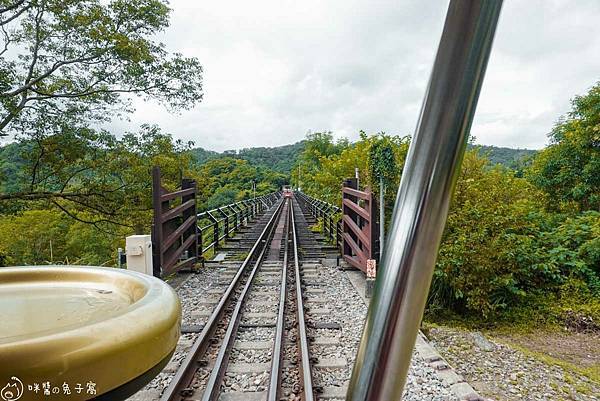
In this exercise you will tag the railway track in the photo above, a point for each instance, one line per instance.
(254, 345)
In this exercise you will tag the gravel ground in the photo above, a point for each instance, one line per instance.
(337, 303)
(350, 311)
(207, 280)
(499, 372)
(347, 308)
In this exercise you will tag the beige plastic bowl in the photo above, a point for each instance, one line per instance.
(105, 331)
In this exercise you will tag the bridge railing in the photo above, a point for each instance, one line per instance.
(217, 224)
(353, 227)
(181, 237)
(359, 226)
(174, 233)
(328, 213)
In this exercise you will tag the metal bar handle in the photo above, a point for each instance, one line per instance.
(421, 208)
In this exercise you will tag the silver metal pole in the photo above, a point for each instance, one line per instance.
(422, 202)
(381, 215)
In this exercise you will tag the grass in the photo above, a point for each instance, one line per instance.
(592, 373)
(521, 328)
(240, 256)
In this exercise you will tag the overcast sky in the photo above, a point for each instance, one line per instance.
(276, 69)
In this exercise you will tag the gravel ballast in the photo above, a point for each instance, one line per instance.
(501, 372)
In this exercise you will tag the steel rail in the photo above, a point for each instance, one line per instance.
(422, 203)
(277, 354)
(213, 386)
(305, 370)
(179, 385)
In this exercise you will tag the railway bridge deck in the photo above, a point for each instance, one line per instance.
(275, 314)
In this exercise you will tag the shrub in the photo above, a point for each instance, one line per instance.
(501, 249)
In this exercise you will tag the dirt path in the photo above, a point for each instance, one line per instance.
(537, 366)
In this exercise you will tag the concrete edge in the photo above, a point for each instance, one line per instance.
(444, 371)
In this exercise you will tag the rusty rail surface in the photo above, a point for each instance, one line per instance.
(308, 392)
(179, 387)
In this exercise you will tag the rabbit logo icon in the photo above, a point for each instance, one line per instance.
(13, 390)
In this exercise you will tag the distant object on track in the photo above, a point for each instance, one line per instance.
(287, 191)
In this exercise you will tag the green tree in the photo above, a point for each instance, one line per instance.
(384, 171)
(96, 178)
(324, 179)
(226, 180)
(488, 251)
(66, 63)
(34, 237)
(317, 147)
(569, 168)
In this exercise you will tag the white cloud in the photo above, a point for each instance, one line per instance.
(276, 69)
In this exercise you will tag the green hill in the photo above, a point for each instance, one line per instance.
(279, 158)
(509, 157)
(282, 158)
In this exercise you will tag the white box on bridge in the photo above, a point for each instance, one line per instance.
(139, 253)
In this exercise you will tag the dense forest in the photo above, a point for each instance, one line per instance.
(278, 158)
(67, 200)
(42, 182)
(283, 158)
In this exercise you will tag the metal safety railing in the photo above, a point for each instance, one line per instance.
(328, 213)
(218, 224)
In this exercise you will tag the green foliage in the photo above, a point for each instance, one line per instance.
(569, 169)
(68, 63)
(382, 160)
(98, 187)
(502, 251)
(226, 180)
(514, 159)
(486, 252)
(48, 236)
(324, 172)
(281, 159)
(94, 176)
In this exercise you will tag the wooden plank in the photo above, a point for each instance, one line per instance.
(184, 263)
(181, 192)
(355, 262)
(360, 253)
(357, 193)
(186, 244)
(362, 212)
(157, 230)
(178, 233)
(176, 211)
(356, 230)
